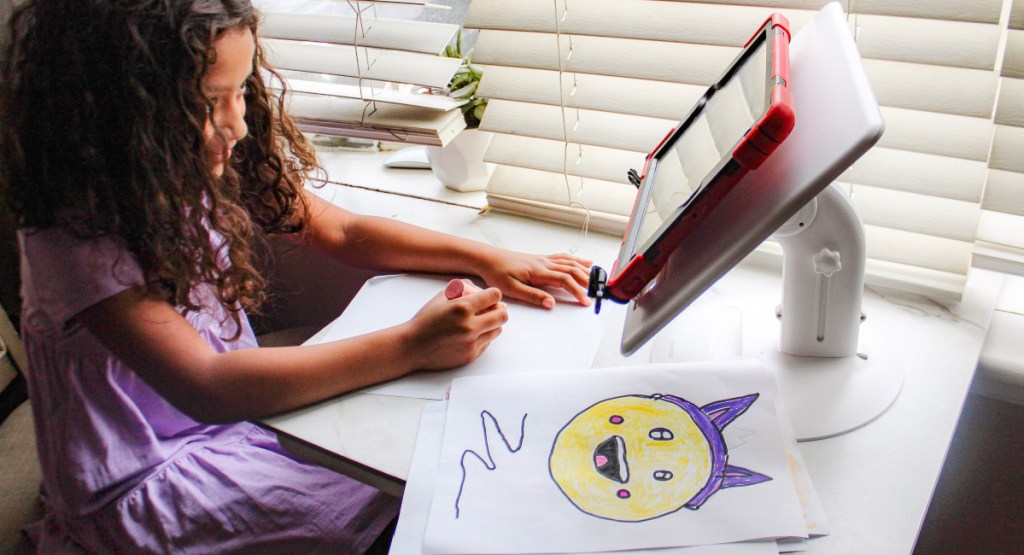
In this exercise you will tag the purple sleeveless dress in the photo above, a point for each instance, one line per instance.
(126, 472)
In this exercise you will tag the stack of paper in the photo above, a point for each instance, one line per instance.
(683, 458)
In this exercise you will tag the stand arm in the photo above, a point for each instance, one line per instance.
(822, 278)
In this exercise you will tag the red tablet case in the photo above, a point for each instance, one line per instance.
(754, 148)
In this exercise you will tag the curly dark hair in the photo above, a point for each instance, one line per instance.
(103, 114)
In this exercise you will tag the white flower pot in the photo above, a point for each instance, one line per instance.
(460, 165)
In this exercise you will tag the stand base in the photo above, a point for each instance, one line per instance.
(827, 397)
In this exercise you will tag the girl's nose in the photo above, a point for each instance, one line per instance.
(235, 126)
(230, 119)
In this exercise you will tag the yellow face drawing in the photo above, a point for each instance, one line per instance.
(631, 458)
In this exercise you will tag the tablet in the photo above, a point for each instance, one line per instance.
(732, 129)
(839, 121)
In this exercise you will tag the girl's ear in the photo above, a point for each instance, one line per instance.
(734, 477)
(723, 412)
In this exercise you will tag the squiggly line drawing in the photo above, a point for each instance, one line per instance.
(488, 461)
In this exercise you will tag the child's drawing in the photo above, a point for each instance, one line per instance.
(603, 463)
(634, 458)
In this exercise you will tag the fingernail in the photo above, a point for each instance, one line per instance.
(549, 303)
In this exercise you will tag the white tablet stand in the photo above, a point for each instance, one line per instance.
(827, 387)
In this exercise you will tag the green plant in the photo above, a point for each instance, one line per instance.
(464, 83)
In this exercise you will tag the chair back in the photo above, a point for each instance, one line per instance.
(13, 391)
(12, 352)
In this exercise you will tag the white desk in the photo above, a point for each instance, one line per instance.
(875, 483)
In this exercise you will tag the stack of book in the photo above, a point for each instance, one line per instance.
(385, 115)
(350, 73)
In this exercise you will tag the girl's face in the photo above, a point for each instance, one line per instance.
(224, 85)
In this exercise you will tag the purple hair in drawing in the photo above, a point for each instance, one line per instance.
(712, 419)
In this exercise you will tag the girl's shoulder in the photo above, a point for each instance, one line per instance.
(63, 273)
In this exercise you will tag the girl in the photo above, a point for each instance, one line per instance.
(144, 158)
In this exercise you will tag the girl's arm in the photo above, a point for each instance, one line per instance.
(385, 244)
(151, 337)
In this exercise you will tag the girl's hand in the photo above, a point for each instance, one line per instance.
(521, 276)
(447, 333)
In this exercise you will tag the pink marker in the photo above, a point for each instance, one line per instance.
(459, 288)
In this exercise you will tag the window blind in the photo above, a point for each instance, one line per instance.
(1000, 244)
(357, 68)
(581, 90)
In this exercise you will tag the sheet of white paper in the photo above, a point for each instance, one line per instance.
(533, 339)
(419, 490)
(512, 504)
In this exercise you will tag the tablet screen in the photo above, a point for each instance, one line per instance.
(683, 168)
